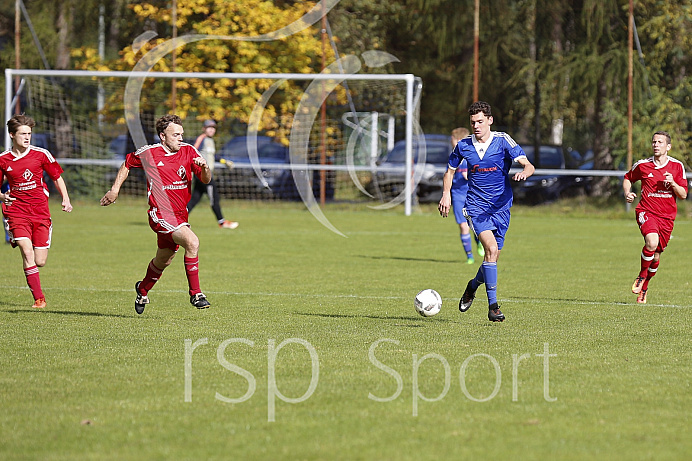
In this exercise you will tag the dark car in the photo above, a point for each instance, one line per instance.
(391, 183)
(238, 179)
(541, 188)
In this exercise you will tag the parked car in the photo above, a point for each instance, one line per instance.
(437, 150)
(241, 181)
(541, 188)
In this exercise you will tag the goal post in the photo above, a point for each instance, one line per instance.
(84, 113)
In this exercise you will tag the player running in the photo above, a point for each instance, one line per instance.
(25, 204)
(168, 166)
(460, 186)
(489, 155)
(663, 182)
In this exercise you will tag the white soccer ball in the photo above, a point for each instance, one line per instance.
(428, 302)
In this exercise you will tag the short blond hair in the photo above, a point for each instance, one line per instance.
(459, 133)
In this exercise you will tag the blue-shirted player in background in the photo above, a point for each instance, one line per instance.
(460, 186)
(489, 156)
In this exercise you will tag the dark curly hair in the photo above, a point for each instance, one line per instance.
(480, 106)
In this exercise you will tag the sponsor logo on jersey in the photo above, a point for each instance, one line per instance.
(27, 175)
(477, 169)
(181, 172)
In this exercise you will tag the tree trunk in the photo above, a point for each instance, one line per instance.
(63, 25)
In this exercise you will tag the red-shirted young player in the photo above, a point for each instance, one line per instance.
(168, 166)
(25, 205)
(663, 182)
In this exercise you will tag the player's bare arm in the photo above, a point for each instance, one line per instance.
(677, 189)
(62, 188)
(627, 190)
(112, 195)
(206, 171)
(526, 172)
(198, 141)
(446, 200)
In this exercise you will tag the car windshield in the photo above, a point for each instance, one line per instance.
(551, 156)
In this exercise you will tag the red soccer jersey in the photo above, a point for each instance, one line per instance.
(656, 197)
(169, 178)
(25, 176)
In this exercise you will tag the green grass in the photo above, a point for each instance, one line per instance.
(87, 378)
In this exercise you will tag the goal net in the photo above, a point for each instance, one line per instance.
(291, 136)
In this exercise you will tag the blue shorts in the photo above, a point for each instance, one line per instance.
(497, 222)
(458, 202)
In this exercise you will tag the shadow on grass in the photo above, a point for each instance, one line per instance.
(84, 314)
(408, 258)
(377, 317)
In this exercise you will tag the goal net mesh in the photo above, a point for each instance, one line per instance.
(81, 119)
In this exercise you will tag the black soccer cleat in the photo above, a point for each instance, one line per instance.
(199, 301)
(467, 298)
(141, 301)
(494, 313)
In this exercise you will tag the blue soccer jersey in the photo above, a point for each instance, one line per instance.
(488, 171)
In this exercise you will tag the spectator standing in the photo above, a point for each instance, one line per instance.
(207, 147)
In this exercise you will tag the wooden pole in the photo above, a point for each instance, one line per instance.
(630, 82)
(174, 18)
(17, 50)
(476, 46)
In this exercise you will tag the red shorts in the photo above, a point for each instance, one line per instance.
(651, 224)
(164, 230)
(39, 231)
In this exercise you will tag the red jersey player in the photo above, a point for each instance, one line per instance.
(663, 182)
(169, 166)
(25, 205)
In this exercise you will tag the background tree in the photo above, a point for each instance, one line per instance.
(222, 98)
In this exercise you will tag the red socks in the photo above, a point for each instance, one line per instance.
(647, 258)
(192, 272)
(34, 281)
(153, 275)
(650, 272)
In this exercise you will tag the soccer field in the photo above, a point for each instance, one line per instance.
(312, 348)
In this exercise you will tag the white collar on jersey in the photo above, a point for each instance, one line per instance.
(17, 156)
(656, 165)
(482, 147)
(167, 151)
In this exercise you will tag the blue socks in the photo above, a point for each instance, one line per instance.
(487, 274)
(490, 275)
(466, 241)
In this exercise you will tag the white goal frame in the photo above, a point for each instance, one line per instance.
(409, 79)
